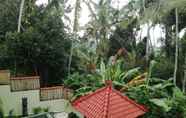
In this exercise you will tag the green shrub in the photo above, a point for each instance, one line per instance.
(162, 99)
(47, 109)
(38, 110)
(1, 113)
(163, 69)
(1, 110)
(72, 115)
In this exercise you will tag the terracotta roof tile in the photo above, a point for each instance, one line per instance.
(108, 103)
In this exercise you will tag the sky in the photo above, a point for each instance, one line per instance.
(84, 18)
(156, 32)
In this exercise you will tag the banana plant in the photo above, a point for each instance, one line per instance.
(168, 103)
(86, 83)
(115, 73)
(135, 82)
(87, 56)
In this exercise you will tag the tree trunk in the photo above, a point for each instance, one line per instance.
(148, 44)
(168, 39)
(20, 15)
(75, 30)
(184, 79)
(184, 82)
(70, 58)
(18, 30)
(76, 16)
(148, 35)
(176, 52)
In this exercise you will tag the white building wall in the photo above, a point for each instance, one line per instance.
(13, 101)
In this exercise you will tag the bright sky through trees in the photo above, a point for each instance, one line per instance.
(155, 33)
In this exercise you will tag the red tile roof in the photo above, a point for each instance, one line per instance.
(108, 103)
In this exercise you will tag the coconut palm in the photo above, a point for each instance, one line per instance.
(156, 11)
(104, 18)
(57, 4)
(184, 79)
(20, 15)
(19, 29)
(176, 52)
(75, 30)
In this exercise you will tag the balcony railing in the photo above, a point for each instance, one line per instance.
(33, 83)
(57, 92)
(24, 83)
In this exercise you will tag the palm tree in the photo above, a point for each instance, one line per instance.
(148, 34)
(75, 30)
(104, 16)
(57, 5)
(103, 19)
(184, 80)
(76, 16)
(20, 15)
(176, 52)
(157, 11)
(19, 29)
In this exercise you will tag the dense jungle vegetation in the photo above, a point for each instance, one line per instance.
(43, 40)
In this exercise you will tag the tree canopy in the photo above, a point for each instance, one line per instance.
(44, 40)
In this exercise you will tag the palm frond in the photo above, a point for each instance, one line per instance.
(161, 8)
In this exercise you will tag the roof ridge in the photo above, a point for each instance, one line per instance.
(107, 104)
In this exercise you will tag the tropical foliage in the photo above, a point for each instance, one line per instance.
(43, 40)
(41, 49)
(161, 97)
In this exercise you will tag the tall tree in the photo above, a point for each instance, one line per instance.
(75, 30)
(157, 12)
(19, 29)
(20, 15)
(104, 18)
(176, 45)
(184, 79)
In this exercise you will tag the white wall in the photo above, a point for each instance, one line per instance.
(13, 100)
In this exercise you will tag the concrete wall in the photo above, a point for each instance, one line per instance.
(13, 101)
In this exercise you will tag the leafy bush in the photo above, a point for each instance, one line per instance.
(163, 68)
(72, 115)
(86, 83)
(47, 109)
(1, 110)
(76, 81)
(38, 110)
(11, 114)
(41, 49)
(162, 99)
